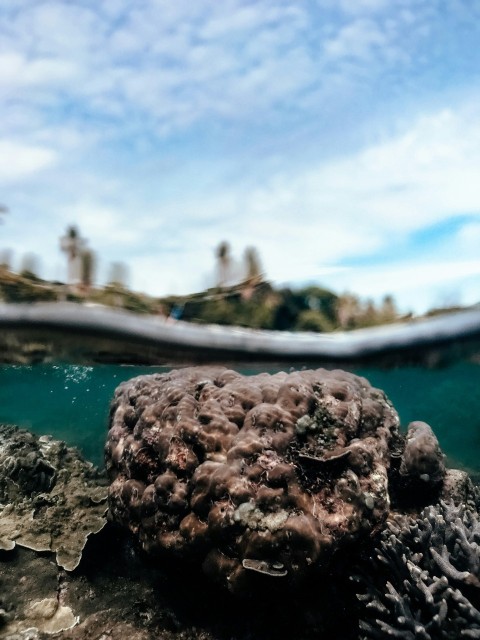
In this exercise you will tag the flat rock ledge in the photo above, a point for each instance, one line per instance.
(51, 499)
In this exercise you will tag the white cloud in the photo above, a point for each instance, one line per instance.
(421, 176)
(57, 28)
(228, 23)
(11, 64)
(181, 63)
(17, 71)
(358, 39)
(467, 239)
(417, 286)
(19, 161)
(48, 71)
(106, 227)
(176, 63)
(362, 204)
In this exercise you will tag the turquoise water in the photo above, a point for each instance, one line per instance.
(448, 399)
(71, 402)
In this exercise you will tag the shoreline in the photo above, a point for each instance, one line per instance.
(44, 332)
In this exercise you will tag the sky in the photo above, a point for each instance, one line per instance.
(341, 138)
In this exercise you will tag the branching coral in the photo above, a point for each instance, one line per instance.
(424, 581)
(265, 475)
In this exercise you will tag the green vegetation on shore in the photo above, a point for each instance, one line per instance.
(252, 303)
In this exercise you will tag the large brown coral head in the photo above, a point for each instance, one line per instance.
(262, 476)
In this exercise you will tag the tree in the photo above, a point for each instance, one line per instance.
(389, 309)
(312, 320)
(6, 259)
(29, 266)
(224, 264)
(252, 264)
(118, 275)
(73, 245)
(286, 312)
(348, 310)
(322, 300)
(369, 316)
(88, 265)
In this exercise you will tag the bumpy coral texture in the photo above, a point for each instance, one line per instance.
(267, 474)
(424, 579)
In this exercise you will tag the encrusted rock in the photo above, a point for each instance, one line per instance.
(47, 616)
(265, 475)
(458, 488)
(422, 460)
(50, 498)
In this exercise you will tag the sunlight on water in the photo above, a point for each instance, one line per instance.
(71, 402)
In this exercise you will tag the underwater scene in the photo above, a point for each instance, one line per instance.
(172, 500)
(71, 402)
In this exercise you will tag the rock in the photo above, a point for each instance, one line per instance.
(50, 498)
(26, 634)
(49, 616)
(457, 487)
(260, 477)
(101, 627)
(422, 460)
